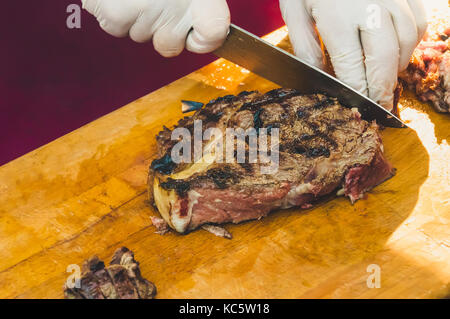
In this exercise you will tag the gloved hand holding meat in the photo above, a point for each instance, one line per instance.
(369, 41)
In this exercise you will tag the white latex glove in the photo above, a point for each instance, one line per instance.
(168, 22)
(369, 41)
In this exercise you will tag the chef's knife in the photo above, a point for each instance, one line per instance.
(281, 67)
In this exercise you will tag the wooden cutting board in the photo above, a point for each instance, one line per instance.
(85, 194)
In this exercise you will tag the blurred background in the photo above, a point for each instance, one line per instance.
(54, 79)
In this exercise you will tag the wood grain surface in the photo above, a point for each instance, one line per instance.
(85, 194)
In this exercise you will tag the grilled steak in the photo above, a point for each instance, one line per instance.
(121, 280)
(322, 148)
(428, 73)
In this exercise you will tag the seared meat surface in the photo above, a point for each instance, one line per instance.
(322, 148)
(428, 73)
(121, 280)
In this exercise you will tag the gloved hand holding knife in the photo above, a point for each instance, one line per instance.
(167, 22)
(369, 41)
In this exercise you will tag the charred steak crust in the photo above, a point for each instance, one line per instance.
(323, 147)
(121, 280)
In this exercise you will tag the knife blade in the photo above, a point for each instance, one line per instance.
(279, 66)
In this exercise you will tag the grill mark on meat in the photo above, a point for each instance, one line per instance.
(324, 103)
(222, 177)
(318, 151)
(247, 167)
(318, 104)
(274, 96)
(210, 115)
(179, 185)
(301, 113)
(308, 151)
(225, 99)
(319, 134)
(287, 112)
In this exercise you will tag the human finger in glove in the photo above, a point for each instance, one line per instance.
(167, 22)
(369, 41)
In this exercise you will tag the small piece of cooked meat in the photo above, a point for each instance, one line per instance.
(428, 73)
(121, 280)
(160, 224)
(323, 147)
(217, 231)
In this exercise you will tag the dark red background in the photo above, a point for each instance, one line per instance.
(54, 79)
